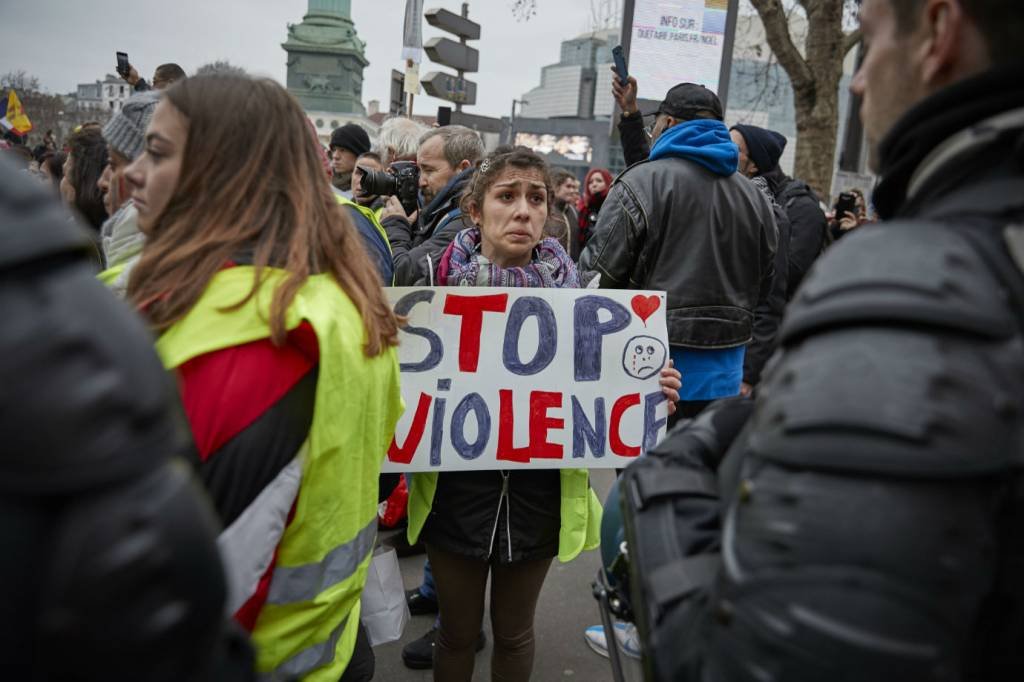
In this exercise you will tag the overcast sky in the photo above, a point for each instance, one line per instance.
(66, 42)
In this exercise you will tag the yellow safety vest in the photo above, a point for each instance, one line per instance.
(371, 215)
(307, 627)
(580, 511)
(108, 276)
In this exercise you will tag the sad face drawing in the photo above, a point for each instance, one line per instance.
(643, 357)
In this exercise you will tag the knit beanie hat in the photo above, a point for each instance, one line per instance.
(352, 137)
(126, 131)
(764, 147)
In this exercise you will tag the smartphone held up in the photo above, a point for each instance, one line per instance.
(620, 65)
(123, 67)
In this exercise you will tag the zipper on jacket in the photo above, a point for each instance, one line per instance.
(497, 517)
(508, 515)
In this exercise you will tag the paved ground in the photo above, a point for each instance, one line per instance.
(566, 607)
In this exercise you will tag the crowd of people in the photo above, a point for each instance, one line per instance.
(841, 474)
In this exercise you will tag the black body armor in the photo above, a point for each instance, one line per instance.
(109, 569)
(867, 522)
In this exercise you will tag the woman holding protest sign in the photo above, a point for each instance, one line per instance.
(505, 525)
(275, 324)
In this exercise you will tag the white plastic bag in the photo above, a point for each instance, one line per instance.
(384, 611)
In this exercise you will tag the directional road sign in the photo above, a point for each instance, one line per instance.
(448, 87)
(453, 23)
(450, 53)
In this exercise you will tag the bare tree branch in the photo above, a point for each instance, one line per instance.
(522, 10)
(776, 28)
(851, 40)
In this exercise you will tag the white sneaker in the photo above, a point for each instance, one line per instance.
(625, 635)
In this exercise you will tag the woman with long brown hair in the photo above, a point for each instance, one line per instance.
(273, 319)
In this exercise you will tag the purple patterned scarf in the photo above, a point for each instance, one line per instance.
(464, 265)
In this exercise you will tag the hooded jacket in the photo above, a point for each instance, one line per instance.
(686, 223)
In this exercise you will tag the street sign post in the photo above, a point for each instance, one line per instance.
(456, 55)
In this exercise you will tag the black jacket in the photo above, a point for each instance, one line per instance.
(708, 241)
(415, 249)
(635, 147)
(866, 522)
(768, 313)
(809, 233)
(499, 516)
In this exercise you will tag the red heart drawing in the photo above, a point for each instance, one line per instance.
(644, 306)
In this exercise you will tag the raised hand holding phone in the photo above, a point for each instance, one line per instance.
(625, 93)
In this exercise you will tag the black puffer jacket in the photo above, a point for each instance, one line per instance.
(705, 239)
(109, 546)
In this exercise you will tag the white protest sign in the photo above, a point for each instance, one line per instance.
(517, 378)
(678, 41)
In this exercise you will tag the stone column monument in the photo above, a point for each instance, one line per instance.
(326, 59)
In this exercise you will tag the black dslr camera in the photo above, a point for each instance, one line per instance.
(401, 179)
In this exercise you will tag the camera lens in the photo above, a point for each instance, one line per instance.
(380, 183)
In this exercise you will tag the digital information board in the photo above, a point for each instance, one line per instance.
(680, 41)
(570, 147)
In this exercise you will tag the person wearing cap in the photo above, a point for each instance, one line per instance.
(760, 150)
(347, 143)
(120, 239)
(685, 222)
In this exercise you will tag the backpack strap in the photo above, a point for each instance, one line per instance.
(448, 217)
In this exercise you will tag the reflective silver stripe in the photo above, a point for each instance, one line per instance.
(310, 658)
(292, 584)
(247, 546)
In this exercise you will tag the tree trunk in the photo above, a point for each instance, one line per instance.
(816, 145)
(815, 75)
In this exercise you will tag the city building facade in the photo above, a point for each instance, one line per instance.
(108, 94)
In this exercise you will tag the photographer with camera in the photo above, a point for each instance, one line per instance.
(369, 161)
(445, 161)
